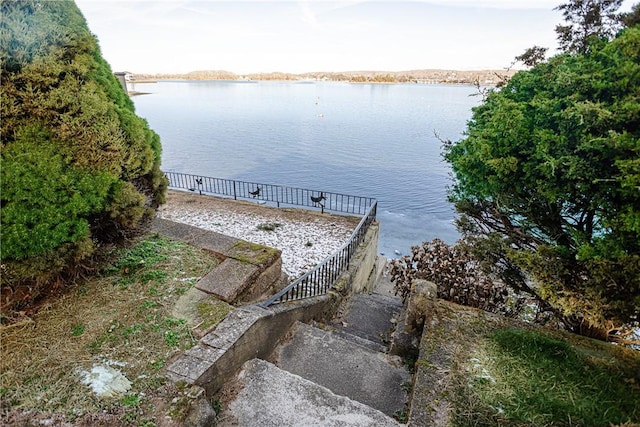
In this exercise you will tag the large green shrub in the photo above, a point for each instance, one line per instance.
(550, 167)
(79, 168)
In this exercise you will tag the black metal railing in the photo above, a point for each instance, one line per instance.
(320, 279)
(276, 194)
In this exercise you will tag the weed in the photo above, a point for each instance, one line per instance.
(149, 304)
(269, 226)
(172, 338)
(217, 406)
(154, 276)
(132, 330)
(77, 330)
(157, 364)
(130, 417)
(401, 416)
(130, 400)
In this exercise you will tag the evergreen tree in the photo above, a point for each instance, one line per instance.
(79, 168)
(548, 179)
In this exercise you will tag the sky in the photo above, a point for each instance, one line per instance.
(178, 36)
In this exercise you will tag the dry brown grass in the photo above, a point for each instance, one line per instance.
(122, 318)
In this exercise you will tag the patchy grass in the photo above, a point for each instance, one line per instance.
(531, 377)
(121, 318)
(491, 371)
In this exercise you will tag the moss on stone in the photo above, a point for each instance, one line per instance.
(211, 312)
(253, 253)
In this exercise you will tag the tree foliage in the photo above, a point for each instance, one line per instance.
(548, 180)
(78, 166)
(586, 21)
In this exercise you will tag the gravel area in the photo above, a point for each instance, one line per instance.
(304, 237)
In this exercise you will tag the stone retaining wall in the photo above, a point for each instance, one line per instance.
(250, 331)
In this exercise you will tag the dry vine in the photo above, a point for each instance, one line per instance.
(457, 276)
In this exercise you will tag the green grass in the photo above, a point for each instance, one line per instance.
(480, 369)
(125, 315)
(524, 377)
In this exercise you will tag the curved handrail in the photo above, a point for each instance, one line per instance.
(319, 279)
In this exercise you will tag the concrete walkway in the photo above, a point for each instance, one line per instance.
(328, 374)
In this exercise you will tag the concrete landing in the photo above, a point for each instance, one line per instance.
(247, 270)
(345, 368)
(273, 397)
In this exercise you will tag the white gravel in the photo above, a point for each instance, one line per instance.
(303, 243)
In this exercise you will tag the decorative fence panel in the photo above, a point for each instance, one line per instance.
(276, 194)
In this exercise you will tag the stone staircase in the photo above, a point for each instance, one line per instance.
(333, 374)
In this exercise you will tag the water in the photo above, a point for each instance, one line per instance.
(361, 139)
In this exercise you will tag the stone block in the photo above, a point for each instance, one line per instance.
(214, 242)
(253, 253)
(233, 327)
(268, 280)
(421, 301)
(175, 230)
(229, 279)
(187, 368)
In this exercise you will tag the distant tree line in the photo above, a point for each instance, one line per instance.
(483, 77)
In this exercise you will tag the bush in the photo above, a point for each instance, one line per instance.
(458, 277)
(79, 168)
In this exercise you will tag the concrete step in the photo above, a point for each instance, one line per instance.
(342, 332)
(270, 396)
(371, 317)
(345, 368)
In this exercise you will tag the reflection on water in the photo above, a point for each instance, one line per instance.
(368, 140)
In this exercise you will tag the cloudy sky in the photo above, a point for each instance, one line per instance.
(177, 36)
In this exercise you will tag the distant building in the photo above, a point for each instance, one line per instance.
(124, 77)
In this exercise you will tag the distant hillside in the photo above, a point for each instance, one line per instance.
(483, 77)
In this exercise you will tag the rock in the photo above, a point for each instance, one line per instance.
(421, 300)
(106, 381)
(201, 414)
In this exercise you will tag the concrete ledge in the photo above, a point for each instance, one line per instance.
(175, 230)
(213, 242)
(270, 281)
(247, 271)
(367, 258)
(246, 333)
(253, 253)
(363, 273)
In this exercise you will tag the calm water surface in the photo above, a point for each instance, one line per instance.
(361, 139)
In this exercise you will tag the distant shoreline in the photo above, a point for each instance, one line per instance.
(459, 77)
